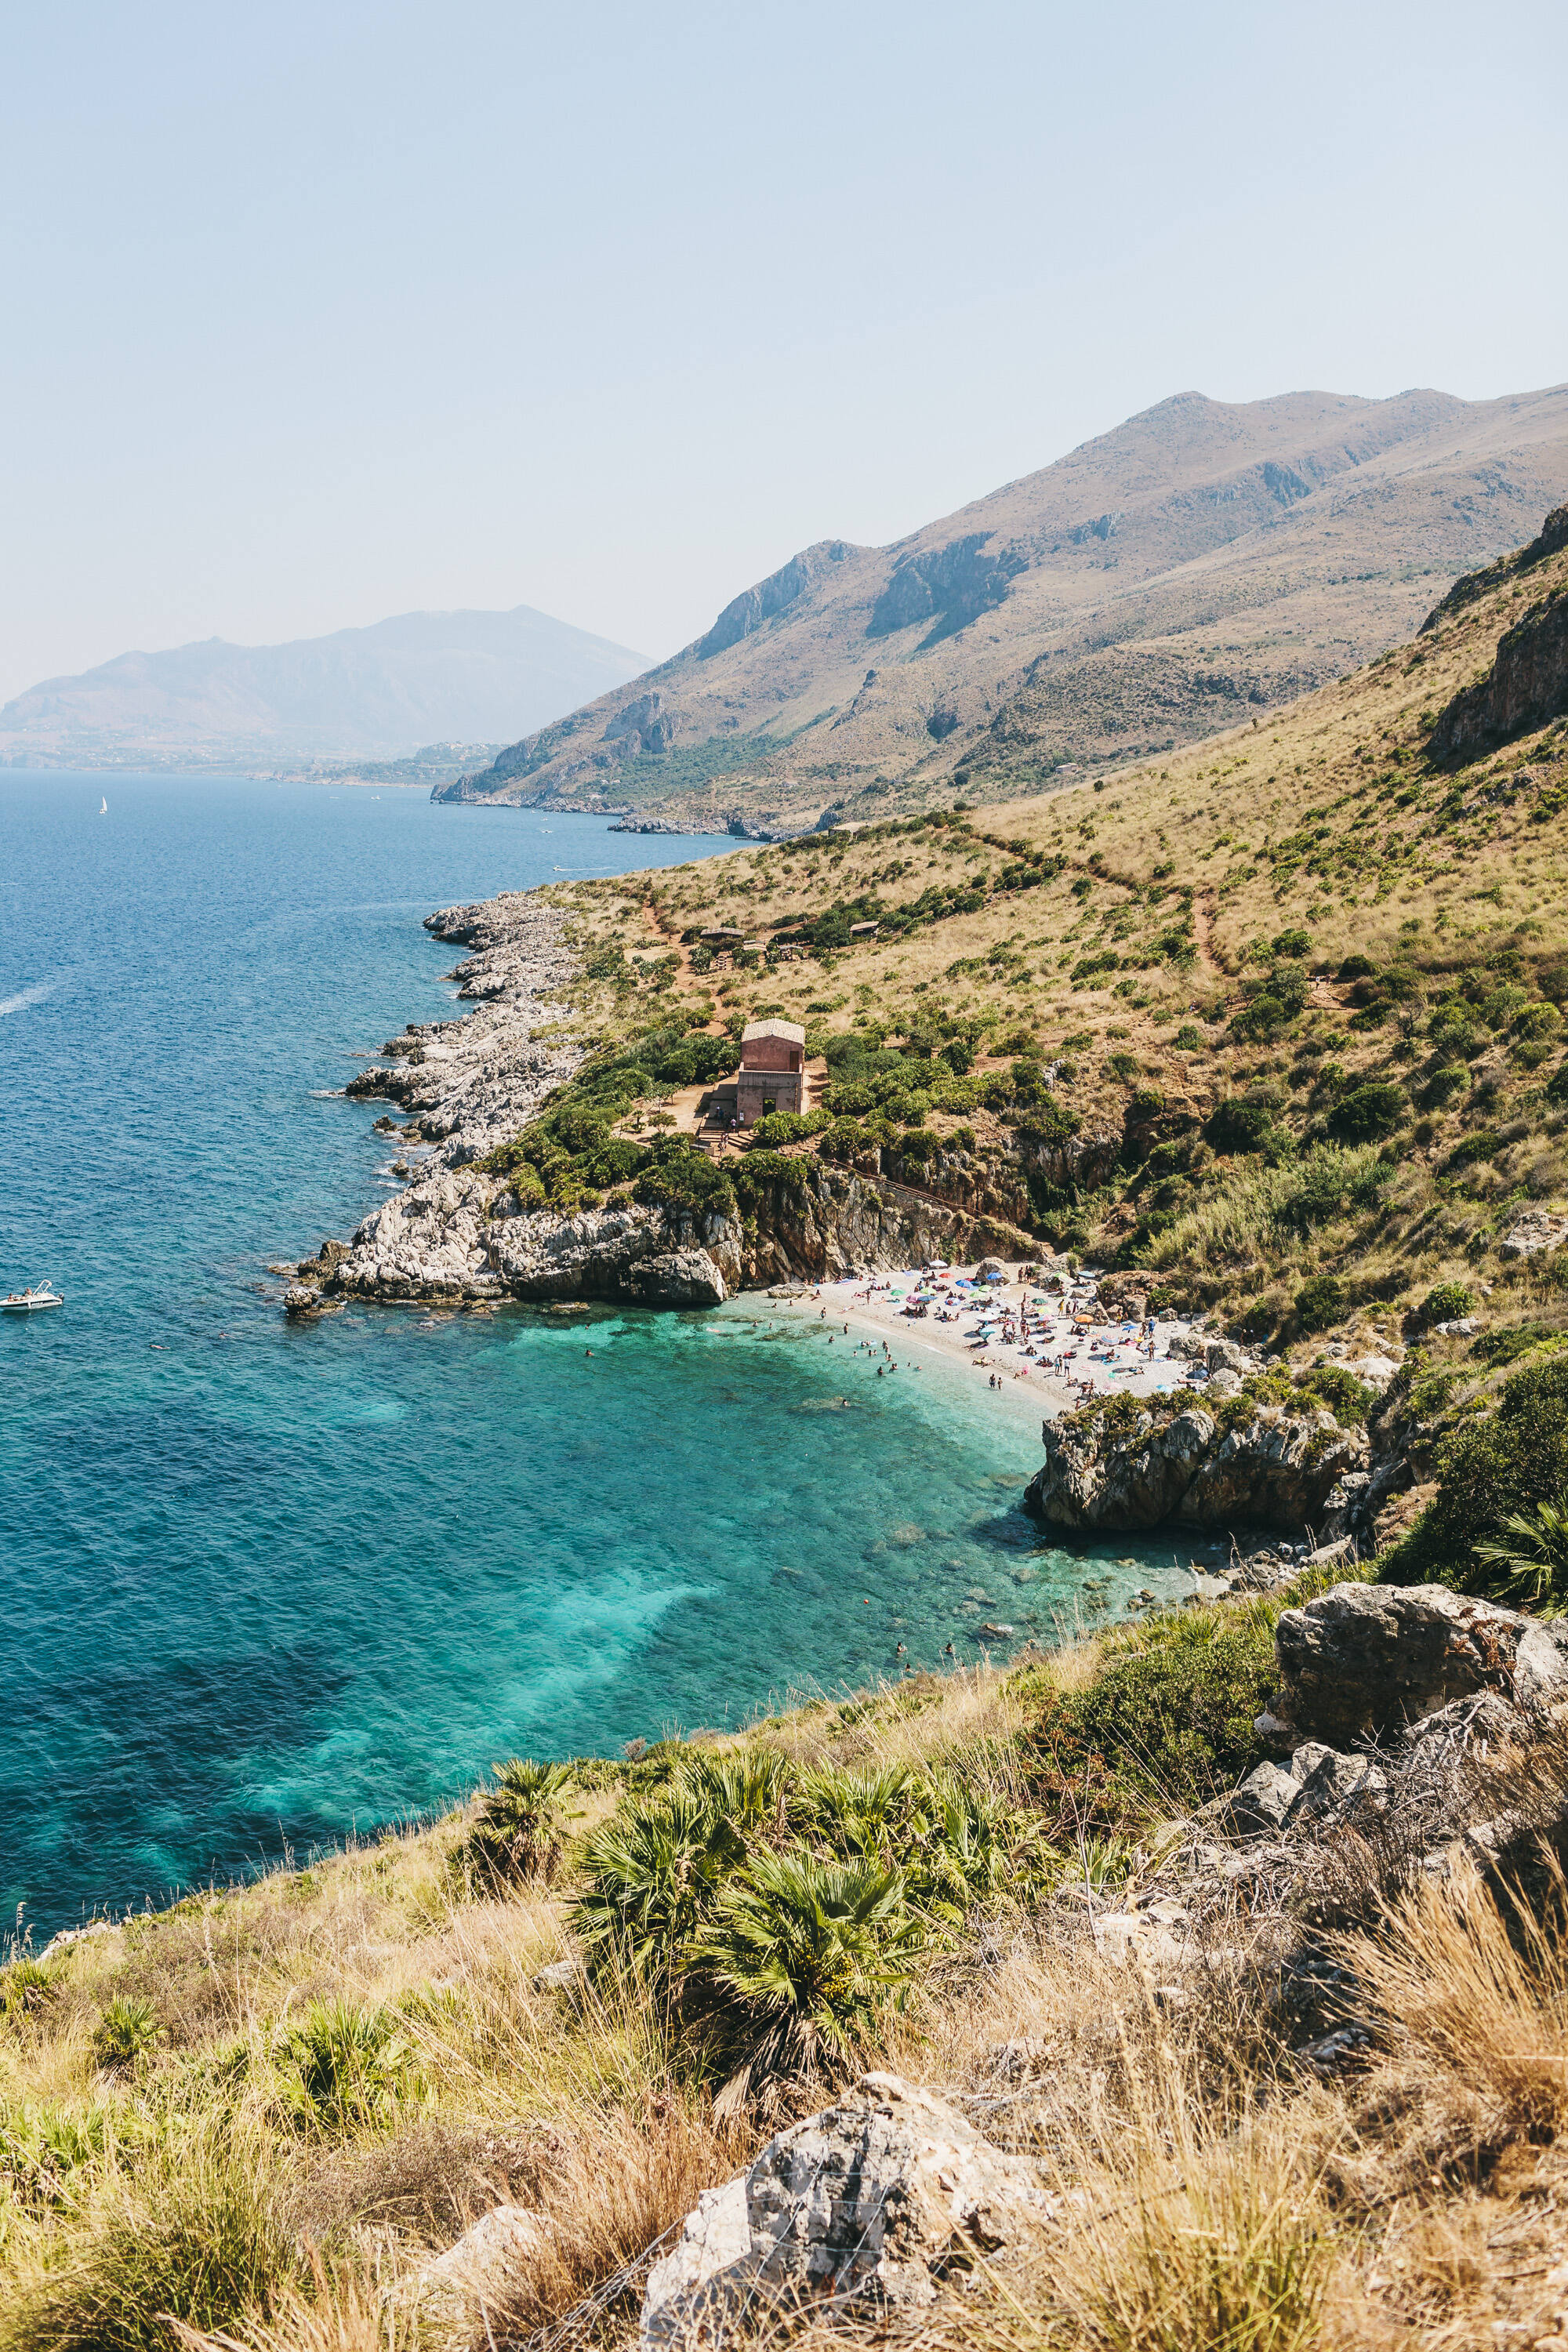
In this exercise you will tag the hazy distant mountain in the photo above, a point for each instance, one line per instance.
(424, 679)
(1201, 561)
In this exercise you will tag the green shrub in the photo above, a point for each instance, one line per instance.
(517, 1830)
(1168, 1718)
(1319, 1303)
(1447, 1303)
(1236, 1125)
(652, 1872)
(1509, 1462)
(1506, 1346)
(1482, 1144)
(42, 2149)
(527, 1184)
(847, 1139)
(1527, 1562)
(1370, 1112)
(683, 1176)
(127, 2027)
(779, 1127)
(918, 1145)
(1189, 1039)
(1445, 1083)
(345, 2066)
(810, 1952)
(26, 1986)
(1348, 1399)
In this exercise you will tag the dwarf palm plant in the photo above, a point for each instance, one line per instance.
(746, 1787)
(517, 1830)
(1532, 1565)
(864, 1814)
(653, 1871)
(127, 2027)
(345, 2065)
(810, 1951)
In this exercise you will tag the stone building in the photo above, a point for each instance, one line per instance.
(773, 1069)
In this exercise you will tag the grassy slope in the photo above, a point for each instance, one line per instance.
(1146, 940)
(210, 2174)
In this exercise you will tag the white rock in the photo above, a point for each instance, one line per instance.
(867, 2203)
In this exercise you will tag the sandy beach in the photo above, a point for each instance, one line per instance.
(962, 1330)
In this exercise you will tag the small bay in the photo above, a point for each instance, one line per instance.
(262, 1587)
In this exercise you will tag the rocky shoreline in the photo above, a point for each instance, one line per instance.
(459, 1235)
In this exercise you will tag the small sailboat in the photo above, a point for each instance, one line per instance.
(31, 1301)
(102, 806)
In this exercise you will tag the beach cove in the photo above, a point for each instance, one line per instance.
(265, 1586)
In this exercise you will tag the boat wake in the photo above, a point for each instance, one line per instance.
(34, 996)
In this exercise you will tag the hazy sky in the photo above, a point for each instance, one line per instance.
(310, 314)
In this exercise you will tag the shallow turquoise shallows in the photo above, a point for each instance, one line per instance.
(261, 1586)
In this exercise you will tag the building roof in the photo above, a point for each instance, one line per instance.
(790, 1031)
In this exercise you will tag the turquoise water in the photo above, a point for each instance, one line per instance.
(262, 1585)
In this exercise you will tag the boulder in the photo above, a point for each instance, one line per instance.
(470, 2280)
(1363, 1659)
(1534, 1234)
(1132, 1470)
(868, 2206)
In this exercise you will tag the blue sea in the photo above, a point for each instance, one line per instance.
(262, 1587)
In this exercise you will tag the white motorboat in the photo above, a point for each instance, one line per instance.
(32, 1301)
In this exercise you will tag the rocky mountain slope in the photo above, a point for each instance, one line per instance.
(1203, 563)
(439, 680)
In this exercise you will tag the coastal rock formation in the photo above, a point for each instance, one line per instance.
(1534, 1234)
(870, 2205)
(469, 1084)
(1127, 1468)
(459, 1235)
(1365, 1657)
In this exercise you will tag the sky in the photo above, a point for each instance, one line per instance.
(311, 314)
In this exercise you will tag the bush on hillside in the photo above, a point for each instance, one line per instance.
(683, 1176)
(1370, 1112)
(1447, 1302)
(1167, 1720)
(1319, 1303)
(1239, 1126)
(1510, 1462)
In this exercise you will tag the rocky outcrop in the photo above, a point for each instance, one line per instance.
(469, 1084)
(868, 2209)
(1533, 1235)
(458, 1236)
(1527, 685)
(1132, 1467)
(1365, 1658)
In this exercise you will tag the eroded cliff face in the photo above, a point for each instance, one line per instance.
(1126, 1471)
(459, 1235)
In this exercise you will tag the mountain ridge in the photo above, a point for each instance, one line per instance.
(1149, 588)
(385, 691)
